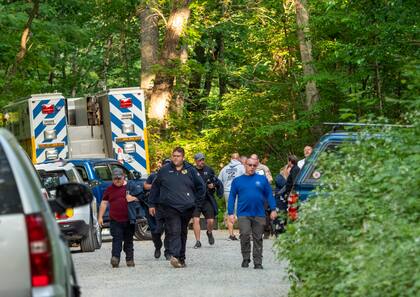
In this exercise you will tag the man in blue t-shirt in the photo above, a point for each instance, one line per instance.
(251, 190)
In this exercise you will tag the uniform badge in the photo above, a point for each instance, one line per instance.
(184, 171)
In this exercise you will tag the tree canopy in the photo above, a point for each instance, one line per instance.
(240, 84)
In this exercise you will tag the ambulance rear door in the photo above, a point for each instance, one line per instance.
(126, 115)
(48, 127)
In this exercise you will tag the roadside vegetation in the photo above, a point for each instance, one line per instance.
(360, 236)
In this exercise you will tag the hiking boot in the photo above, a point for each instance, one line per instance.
(115, 262)
(197, 245)
(245, 263)
(210, 237)
(130, 263)
(258, 266)
(157, 253)
(232, 237)
(176, 263)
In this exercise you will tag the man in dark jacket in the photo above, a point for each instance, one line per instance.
(157, 223)
(178, 188)
(209, 206)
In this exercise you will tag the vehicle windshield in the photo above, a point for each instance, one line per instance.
(51, 179)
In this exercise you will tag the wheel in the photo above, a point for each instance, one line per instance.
(88, 243)
(142, 231)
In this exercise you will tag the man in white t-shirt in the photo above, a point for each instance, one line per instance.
(307, 151)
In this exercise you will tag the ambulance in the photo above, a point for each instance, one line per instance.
(110, 124)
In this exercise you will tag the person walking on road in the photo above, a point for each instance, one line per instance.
(121, 229)
(157, 222)
(251, 191)
(226, 176)
(178, 189)
(209, 205)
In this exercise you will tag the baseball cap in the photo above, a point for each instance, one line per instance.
(199, 156)
(117, 172)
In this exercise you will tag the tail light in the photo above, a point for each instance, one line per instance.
(125, 103)
(39, 251)
(47, 108)
(292, 208)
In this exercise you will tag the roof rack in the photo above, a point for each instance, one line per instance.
(341, 124)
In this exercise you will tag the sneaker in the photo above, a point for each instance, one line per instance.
(258, 266)
(245, 263)
(115, 262)
(130, 263)
(197, 245)
(176, 263)
(183, 265)
(232, 237)
(157, 253)
(211, 238)
(167, 257)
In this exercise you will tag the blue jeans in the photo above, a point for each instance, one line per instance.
(122, 239)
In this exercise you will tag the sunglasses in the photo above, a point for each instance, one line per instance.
(251, 165)
(117, 177)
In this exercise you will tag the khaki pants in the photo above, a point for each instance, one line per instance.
(251, 226)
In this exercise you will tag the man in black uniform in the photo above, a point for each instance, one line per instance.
(179, 189)
(209, 205)
(157, 223)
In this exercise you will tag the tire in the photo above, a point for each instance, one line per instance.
(142, 231)
(88, 243)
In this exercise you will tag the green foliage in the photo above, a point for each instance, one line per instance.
(359, 236)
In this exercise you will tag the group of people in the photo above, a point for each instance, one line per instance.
(179, 191)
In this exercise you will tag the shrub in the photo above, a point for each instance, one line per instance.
(361, 235)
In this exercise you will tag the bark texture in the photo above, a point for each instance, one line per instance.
(305, 45)
(161, 97)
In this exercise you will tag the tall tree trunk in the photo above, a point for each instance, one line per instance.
(195, 80)
(162, 90)
(149, 38)
(24, 38)
(221, 56)
(178, 103)
(125, 58)
(104, 81)
(305, 45)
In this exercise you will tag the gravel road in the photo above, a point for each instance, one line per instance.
(211, 271)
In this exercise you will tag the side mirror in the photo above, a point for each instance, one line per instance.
(70, 195)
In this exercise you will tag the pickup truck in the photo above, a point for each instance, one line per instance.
(96, 173)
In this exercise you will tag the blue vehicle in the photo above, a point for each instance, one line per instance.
(96, 173)
(309, 176)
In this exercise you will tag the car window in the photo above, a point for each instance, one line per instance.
(103, 172)
(71, 176)
(314, 173)
(126, 172)
(9, 196)
(83, 173)
(52, 179)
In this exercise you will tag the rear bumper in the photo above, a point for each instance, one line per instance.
(74, 230)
